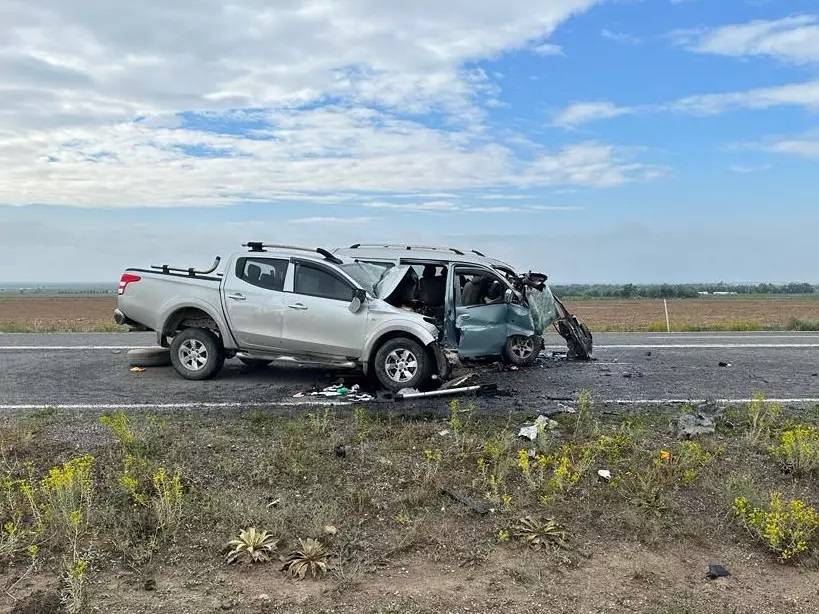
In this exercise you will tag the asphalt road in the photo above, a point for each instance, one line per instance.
(91, 370)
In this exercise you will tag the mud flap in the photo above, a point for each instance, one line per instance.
(578, 337)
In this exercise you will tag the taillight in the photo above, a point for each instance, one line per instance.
(126, 279)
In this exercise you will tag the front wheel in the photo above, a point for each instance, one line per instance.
(521, 350)
(197, 353)
(401, 363)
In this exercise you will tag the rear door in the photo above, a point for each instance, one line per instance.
(481, 313)
(318, 319)
(254, 301)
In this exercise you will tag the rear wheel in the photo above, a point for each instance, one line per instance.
(401, 363)
(197, 353)
(521, 350)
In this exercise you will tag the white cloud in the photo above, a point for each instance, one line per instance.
(548, 49)
(803, 147)
(583, 112)
(804, 94)
(620, 37)
(332, 220)
(94, 96)
(793, 39)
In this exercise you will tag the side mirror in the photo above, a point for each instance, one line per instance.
(359, 297)
(508, 296)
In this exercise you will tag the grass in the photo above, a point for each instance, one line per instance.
(60, 326)
(159, 497)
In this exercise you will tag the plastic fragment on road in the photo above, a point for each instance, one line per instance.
(541, 423)
(716, 571)
(694, 425)
(136, 369)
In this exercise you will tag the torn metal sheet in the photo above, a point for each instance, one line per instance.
(446, 392)
(578, 337)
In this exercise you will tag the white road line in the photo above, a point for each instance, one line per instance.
(739, 337)
(76, 347)
(233, 404)
(613, 346)
(620, 346)
(187, 405)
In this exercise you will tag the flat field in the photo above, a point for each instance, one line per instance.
(85, 314)
(439, 510)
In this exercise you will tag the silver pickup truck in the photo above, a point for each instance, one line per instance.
(281, 303)
(403, 313)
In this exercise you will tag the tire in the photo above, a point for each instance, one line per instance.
(255, 363)
(205, 346)
(400, 363)
(522, 351)
(149, 357)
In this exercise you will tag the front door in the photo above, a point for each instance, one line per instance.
(481, 312)
(318, 319)
(254, 301)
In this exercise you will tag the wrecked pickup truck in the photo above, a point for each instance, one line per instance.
(483, 307)
(313, 307)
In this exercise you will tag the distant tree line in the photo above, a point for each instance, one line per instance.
(678, 290)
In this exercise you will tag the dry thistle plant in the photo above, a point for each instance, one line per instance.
(252, 546)
(311, 556)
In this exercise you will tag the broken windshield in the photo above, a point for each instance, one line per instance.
(366, 274)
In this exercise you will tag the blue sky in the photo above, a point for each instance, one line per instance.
(645, 141)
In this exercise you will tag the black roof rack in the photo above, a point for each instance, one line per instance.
(258, 246)
(407, 247)
(192, 272)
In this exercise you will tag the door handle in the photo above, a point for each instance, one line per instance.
(238, 296)
(299, 306)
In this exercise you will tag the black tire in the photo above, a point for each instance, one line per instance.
(149, 357)
(522, 351)
(209, 348)
(254, 363)
(395, 368)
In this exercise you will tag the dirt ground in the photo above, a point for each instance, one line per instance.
(57, 313)
(730, 313)
(81, 314)
(375, 488)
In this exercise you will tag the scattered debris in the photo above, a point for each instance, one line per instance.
(353, 393)
(149, 584)
(444, 433)
(528, 432)
(717, 571)
(692, 425)
(412, 393)
(476, 505)
(559, 408)
(330, 530)
(531, 432)
(136, 369)
(724, 364)
(341, 451)
(456, 381)
(604, 474)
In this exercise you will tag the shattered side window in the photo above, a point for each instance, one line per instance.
(479, 288)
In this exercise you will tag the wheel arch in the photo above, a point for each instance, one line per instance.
(191, 316)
